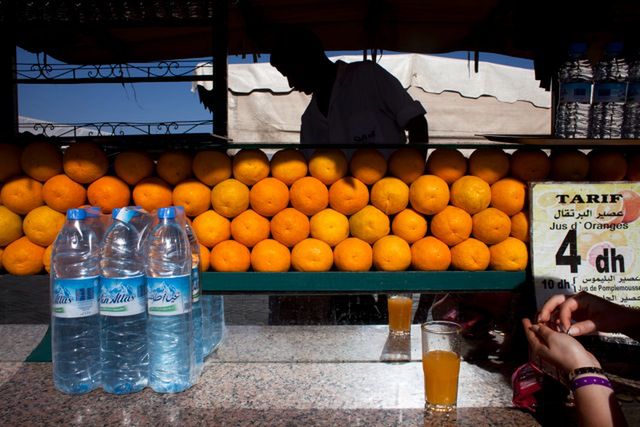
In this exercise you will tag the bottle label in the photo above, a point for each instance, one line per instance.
(575, 92)
(73, 298)
(633, 93)
(122, 296)
(609, 92)
(169, 296)
(195, 279)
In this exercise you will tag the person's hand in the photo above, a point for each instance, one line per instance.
(591, 314)
(559, 349)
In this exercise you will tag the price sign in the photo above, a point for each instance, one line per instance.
(585, 237)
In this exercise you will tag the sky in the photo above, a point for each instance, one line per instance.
(143, 102)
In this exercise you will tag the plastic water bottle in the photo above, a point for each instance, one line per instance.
(123, 307)
(631, 123)
(197, 304)
(218, 324)
(169, 296)
(94, 219)
(574, 76)
(75, 322)
(609, 94)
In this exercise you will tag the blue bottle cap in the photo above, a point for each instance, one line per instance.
(614, 48)
(76, 214)
(114, 213)
(578, 48)
(125, 214)
(167, 213)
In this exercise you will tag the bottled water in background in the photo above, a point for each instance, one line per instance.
(574, 76)
(75, 320)
(609, 94)
(197, 303)
(218, 324)
(631, 123)
(169, 296)
(95, 221)
(123, 307)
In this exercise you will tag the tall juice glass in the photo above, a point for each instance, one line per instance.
(399, 308)
(441, 364)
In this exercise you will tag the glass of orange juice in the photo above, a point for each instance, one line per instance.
(441, 365)
(399, 308)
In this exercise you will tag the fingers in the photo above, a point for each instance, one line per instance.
(549, 307)
(582, 328)
(565, 312)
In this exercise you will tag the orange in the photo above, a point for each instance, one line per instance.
(508, 195)
(269, 196)
(452, 225)
(368, 165)
(391, 253)
(429, 194)
(249, 228)
(21, 194)
(42, 225)
(270, 255)
(205, 256)
(46, 259)
(109, 193)
(607, 165)
(10, 226)
(390, 195)
(328, 165)
(489, 164)
(230, 198)
(309, 195)
(9, 161)
(520, 226)
(491, 226)
(290, 226)
(230, 255)
(193, 195)
(211, 167)
(84, 162)
(409, 225)
(152, 193)
(211, 228)
(369, 224)
(174, 166)
(330, 226)
(312, 255)
(470, 255)
(530, 164)
(407, 164)
(471, 193)
(569, 165)
(41, 160)
(133, 166)
(288, 165)
(62, 193)
(633, 169)
(23, 258)
(509, 255)
(353, 254)
(430, 254)
(447, 163)
(250, 166)
(348, 195)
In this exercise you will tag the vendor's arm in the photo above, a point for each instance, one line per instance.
(418, 129)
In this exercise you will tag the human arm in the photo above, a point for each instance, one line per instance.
(595, 404)
(418, 129)
(591, 314)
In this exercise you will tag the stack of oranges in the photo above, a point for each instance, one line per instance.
(317, 214)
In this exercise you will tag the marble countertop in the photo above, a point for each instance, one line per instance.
(267, 375)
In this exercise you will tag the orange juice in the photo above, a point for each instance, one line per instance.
(441, 370)
(399, 308)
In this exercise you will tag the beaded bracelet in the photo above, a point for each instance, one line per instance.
(590, 380)
(586, 370)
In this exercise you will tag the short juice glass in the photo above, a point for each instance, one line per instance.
(441, 364)
(399, 309)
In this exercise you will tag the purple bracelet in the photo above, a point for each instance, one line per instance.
(590, 380)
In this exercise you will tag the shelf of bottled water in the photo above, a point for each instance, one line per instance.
(598, 101)
(127, 310)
